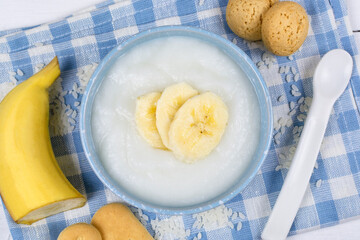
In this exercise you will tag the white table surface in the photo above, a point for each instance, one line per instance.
(24, 13)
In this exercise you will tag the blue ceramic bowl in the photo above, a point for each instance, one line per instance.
(238, 56)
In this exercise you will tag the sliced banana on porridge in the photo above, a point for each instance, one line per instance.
(181, 120)
(145, 117)
(198, 126)
(172, 98)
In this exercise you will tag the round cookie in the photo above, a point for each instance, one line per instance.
(244, 17)
(285, 27)
(115, 221)
(82, 231)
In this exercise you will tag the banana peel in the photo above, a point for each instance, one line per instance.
(32, 184)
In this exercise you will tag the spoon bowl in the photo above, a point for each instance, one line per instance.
(334, 67)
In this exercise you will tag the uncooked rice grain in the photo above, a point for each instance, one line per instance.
(281, 98)
(288, 78)
(301, 100)
(20, 73)
(292, 105)
(281, 69)
(318, 183)
(292, 112)
(239, 226)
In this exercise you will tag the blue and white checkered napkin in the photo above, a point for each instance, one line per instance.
(81, 41)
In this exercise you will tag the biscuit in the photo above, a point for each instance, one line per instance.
(244, 17)
(115, 221)
(82, 231)
(285, 27)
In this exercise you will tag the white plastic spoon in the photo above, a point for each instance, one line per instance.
(331, 77)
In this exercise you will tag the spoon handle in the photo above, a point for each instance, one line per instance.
(296, 182)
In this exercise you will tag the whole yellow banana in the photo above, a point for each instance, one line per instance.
(32, 185)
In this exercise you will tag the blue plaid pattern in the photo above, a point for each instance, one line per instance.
(87, 37)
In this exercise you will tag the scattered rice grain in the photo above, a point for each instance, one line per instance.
(234, 39)
(72, 121)
(294, 87)
(295, 130)
(75, 95)
(301, 100)
(289, 122)
(169, 228)
(281, 69)
(239, 226)
(302, 109)
(281, 121)
(260, 63)
(282, 156)
(295, 93)
(288, 78)
(20, 73)
(241, 215)
(40, 65)
(277, 136)
(296, 77)
(68, 112)
(11, 73)
(281, 98)
(215, 218)
(301, 117)
(282, 130)
(292, 112)
(73, 115)
(293, 70)
(292, 105)
(262, 67)
(13, 79)
(287, 68)
(277, 126)
(231, 225)
(292, 150)
(290, 57)
(38, 44)
(318, 183)
(278, 167)
(296, 135)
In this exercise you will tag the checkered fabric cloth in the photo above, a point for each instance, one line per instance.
(83, 39)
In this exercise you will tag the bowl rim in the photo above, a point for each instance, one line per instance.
(89, 148)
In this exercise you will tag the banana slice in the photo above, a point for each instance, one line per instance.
(197, 127)
(145, 119)
(172, 98)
